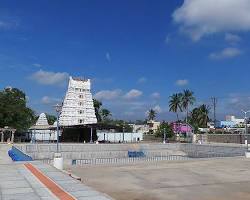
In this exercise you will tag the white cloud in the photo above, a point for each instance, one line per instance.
(108, 57)
(235, 102)
(167, 39)
(198, 18)
(50, 78)
(142, 80)
(129, 113)
(226, 53)
(156, 95)
(37, 65)
(102, 80)
(108, 94)
(182, 82)
(49, 100)
(232, 38)
(133, 94)
(158, 109)
(8, 24)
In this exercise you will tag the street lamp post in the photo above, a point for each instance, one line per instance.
(58, 159)
(58, 111)
(245, 117)
(164, 132)
(91, 135)
(123, 130)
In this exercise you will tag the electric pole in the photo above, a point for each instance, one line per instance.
(214, 102)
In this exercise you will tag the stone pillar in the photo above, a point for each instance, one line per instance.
(2, 137)
(194, 138)
(12, 136)
(91, 135)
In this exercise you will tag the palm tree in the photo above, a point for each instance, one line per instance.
(151, 114)
(175, 104)
(199, 116)
(187, 100)
(203, 115)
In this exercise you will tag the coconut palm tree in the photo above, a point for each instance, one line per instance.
(151, 114)
(175, 104)
(199, 116)
(203, 115)
(187, 100)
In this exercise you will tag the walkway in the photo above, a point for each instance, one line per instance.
(37, 181)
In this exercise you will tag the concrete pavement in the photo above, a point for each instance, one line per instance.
(202, 179)
(17, 182)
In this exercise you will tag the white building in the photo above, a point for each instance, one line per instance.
(144, 128)
(153, 125)
(78, 108)
(235, 120)
(116, 137)
(42, 131)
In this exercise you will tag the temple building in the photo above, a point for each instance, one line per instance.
(78, 107)
(42, 131)
(77, 119)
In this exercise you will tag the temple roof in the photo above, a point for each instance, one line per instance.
(79, 79)
(42, 120)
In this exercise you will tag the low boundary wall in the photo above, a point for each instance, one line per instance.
(106, 152)
(223, 138)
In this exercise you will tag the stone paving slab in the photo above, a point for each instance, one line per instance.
(69, 184)
(18, 183)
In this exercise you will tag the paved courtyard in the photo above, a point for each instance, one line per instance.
(37, 181)
(224, 179)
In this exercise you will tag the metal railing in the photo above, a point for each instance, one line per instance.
(126, 160)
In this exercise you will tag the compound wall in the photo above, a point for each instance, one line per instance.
(223, 138)
(89, 151)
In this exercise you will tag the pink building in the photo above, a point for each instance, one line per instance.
(181, 128)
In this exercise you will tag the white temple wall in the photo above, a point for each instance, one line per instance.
(44, 135)
(78, 105)
(118, 136)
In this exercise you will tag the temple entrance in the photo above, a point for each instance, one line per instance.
(79, 134)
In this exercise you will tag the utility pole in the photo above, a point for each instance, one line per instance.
(214, 102)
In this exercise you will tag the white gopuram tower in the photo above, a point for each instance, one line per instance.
(42, 120)
(78, 107)
(41, 131)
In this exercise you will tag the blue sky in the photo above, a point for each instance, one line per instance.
(137, 53)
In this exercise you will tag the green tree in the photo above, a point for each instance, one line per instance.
(105, 114)
(13, 110)
(123, 126)
(51, 119)
(102, 114)
(164, 126)
(97, 106)
(175, 104)
(187, 100)
(151, 114)
(199, 116)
